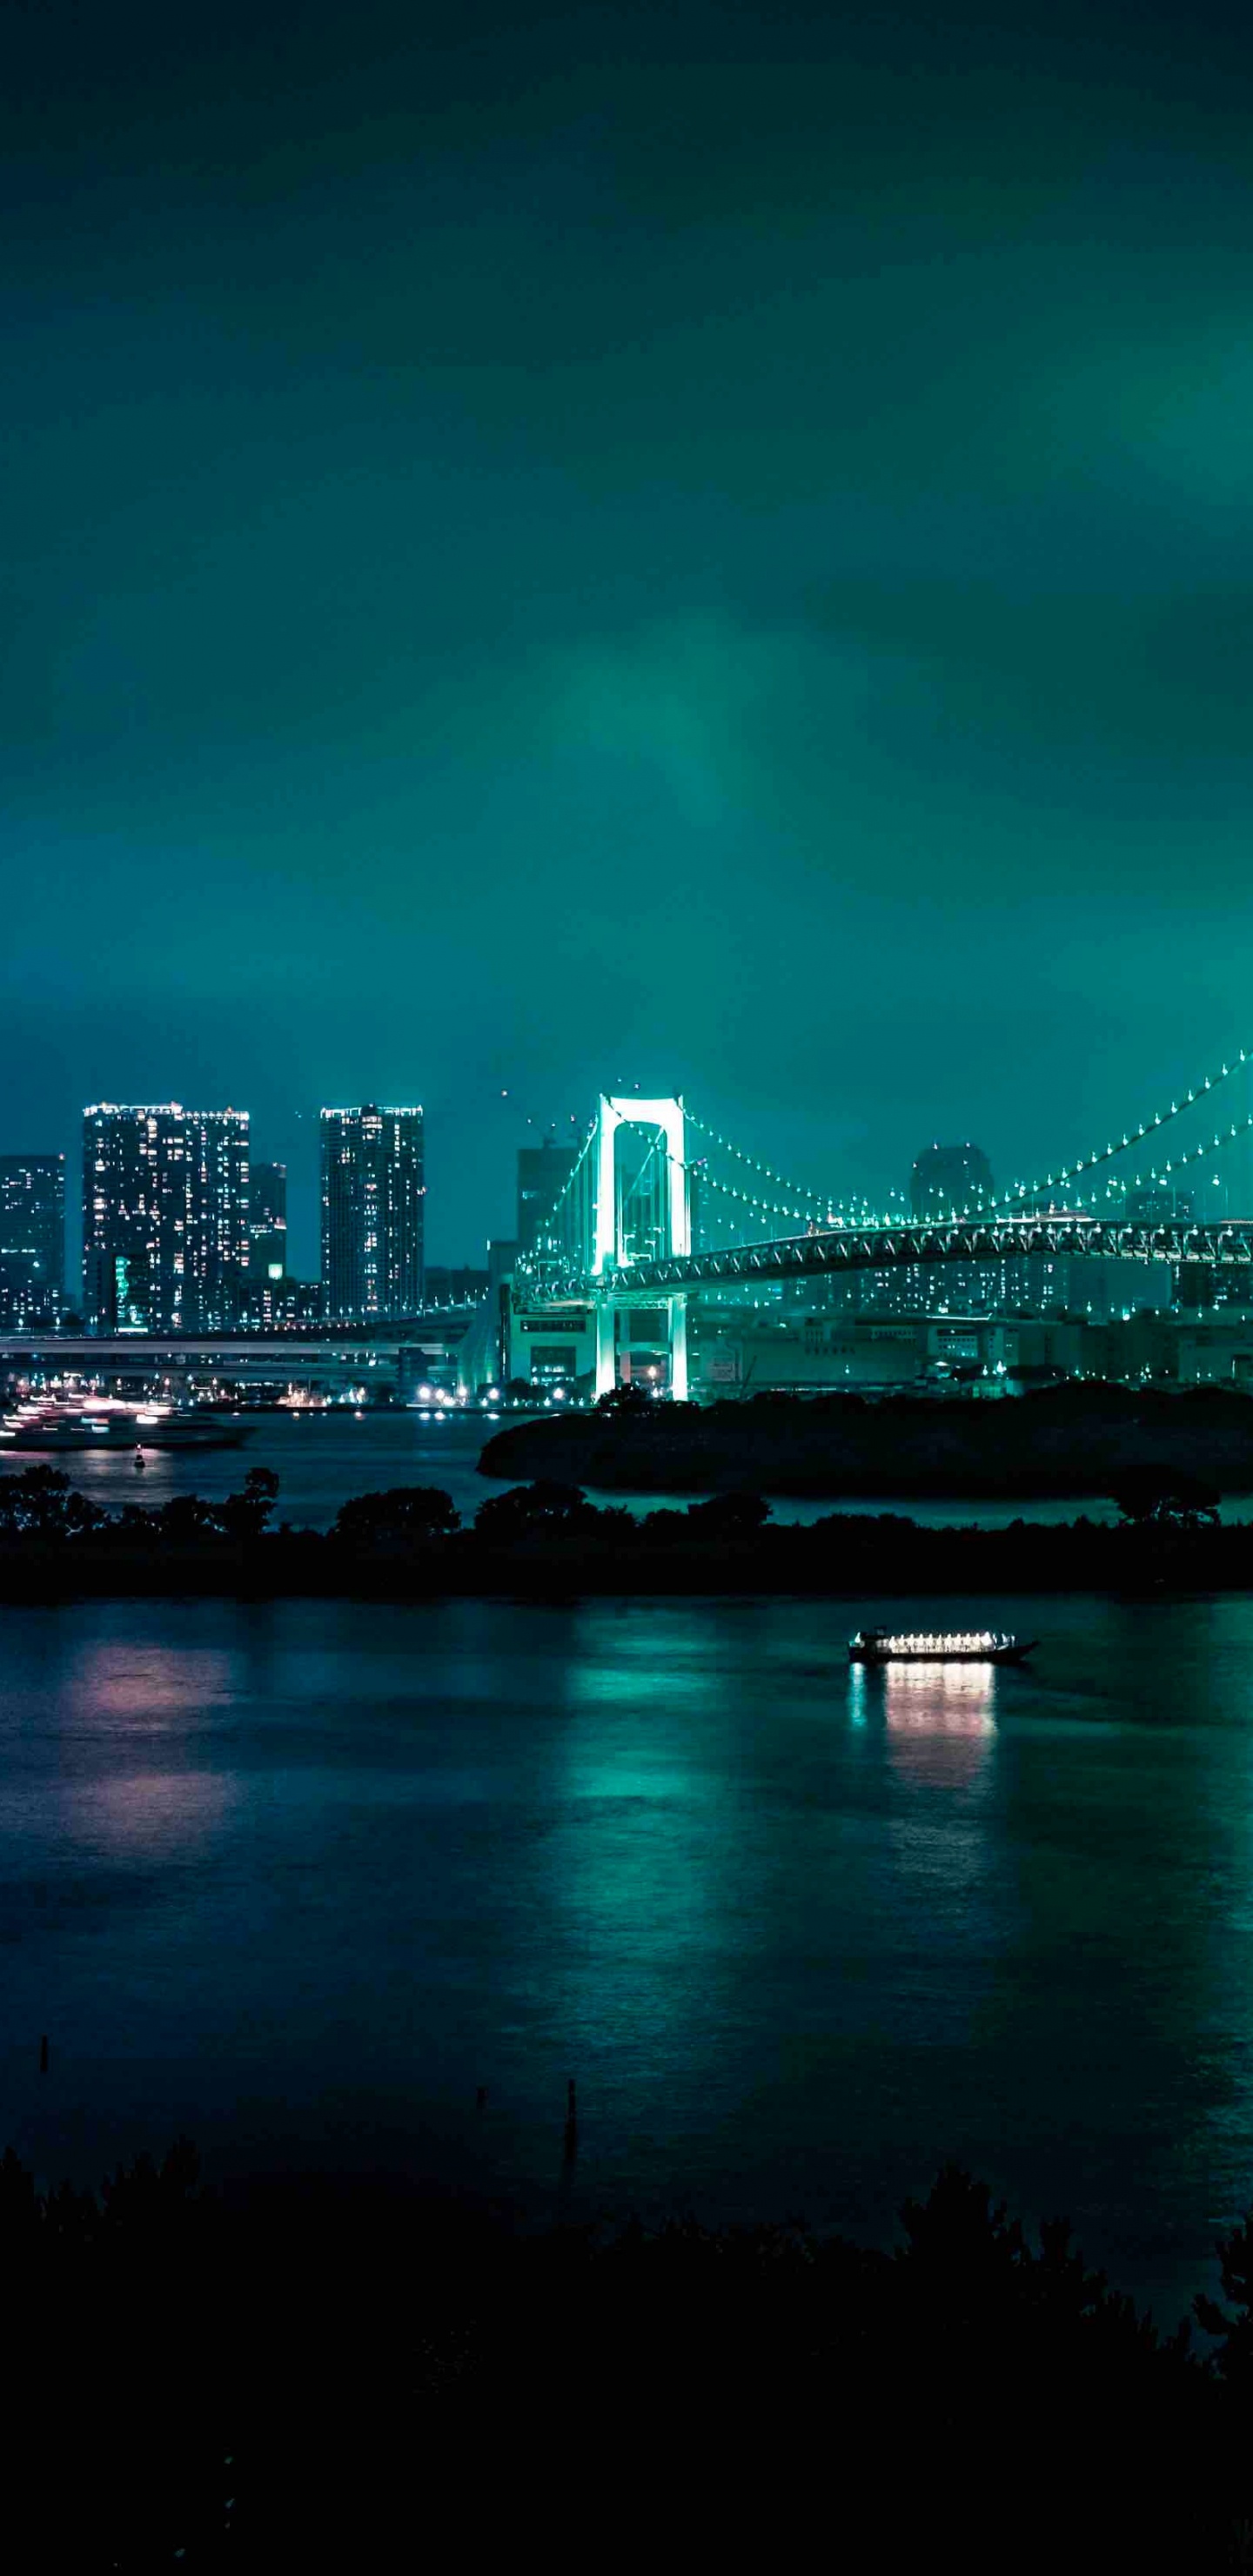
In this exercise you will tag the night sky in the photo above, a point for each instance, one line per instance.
(705, 546)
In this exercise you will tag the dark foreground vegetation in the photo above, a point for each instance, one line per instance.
(1077, 1438)
(309, 2375)
(547, 1541)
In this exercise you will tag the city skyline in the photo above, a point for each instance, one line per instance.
(959, 1176)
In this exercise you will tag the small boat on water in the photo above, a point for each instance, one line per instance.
(938, 1646)
(107, 1424)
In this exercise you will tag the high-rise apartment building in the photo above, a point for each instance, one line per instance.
(950, 1177)
(267, 1222)
(543, 1171)
(165, 1218)
(373, 1200)
(32, 1238)
(944, 1179)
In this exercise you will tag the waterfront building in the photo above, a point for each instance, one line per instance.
(550, 1349)
(25, 1298)
(868, 1353)
(32, 1238)
(285, 1305)
(267, 1222)
(543, 1171)
(373, 1205)
(165, 1218)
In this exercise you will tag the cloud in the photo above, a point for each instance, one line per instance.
(685, 706)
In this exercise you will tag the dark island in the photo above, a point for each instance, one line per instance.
(1077, 1438)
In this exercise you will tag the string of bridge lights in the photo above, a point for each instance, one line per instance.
(746, 1198)
(1179, 1162)
(1157, 1174)
(821, 1207)
(775, 1207)
(1023, 1190)
(818, 1199)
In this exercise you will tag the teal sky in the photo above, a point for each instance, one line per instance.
(708, 547)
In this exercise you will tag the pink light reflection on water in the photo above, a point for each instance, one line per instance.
(126, 1679)
(940, 1719)
(138, 1712)
(149, 1813)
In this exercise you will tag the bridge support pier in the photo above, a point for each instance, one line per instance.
(678, 1348)
(606, 1347)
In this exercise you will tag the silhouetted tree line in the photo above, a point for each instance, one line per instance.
(547, 1536)
(312, 2373)
(40, 1504)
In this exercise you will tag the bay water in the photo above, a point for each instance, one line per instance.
(299, 1878)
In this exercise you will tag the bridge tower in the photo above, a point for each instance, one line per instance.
(641, 1198)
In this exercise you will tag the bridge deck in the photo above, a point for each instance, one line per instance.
(1226, 1245)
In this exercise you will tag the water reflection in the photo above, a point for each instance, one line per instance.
(648, 1837)
(149, 1813)
(794, 1946)
(941, 1720)
(149, 1682)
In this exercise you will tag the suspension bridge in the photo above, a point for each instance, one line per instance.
(651, 1185)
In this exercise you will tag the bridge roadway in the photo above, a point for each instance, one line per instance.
(1224, 1245)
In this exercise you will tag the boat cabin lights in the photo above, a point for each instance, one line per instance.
(962, 1642)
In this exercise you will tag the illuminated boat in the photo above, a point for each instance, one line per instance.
(938, 1646)
(105, 1422)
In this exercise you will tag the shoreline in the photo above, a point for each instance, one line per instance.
(546, 1541)
(885, 1559)
(1078, 1440)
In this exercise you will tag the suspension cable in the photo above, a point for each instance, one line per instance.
(853, 1209)
(1122, 1186)
(1023, 1190)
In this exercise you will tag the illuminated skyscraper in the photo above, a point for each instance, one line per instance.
(267, 1222)
(32, 1238)
(373, 1200)
(165, 1218)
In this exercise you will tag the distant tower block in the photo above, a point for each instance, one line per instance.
(373, 1213)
